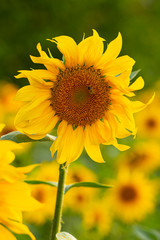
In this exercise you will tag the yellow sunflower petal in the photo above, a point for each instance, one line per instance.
(34, 80)
(111, 52)
(52, 64)
(30, 93)
(43, 125)
(138, 106)
(5, 234)
(2, 126)
(60, 132)
(93, 150)
(75, 144)
(68, 47)
(20, 228)
(90, 49)
(137, 85)
(32, 110)
(118, 66)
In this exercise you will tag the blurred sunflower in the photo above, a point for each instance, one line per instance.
(15, 198)
(8, 107)
(15, 195)
(7, 171)
(79, 198)
(97, 214)
(80, 173)
(148, 121)
(85, 94)
(133, 196)
(144, 156)
(43, 193)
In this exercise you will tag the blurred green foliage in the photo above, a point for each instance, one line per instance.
(25, 23)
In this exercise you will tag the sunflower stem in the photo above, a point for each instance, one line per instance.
(56, 223)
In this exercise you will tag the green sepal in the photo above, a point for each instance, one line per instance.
(18, 137)
(134, 74)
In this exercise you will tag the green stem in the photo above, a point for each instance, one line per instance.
(56, 224)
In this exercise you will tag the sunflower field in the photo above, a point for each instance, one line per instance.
(79, 120)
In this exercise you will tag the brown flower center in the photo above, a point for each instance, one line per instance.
(137, 159)
(80, 95)
(151, 123)
(128, 193)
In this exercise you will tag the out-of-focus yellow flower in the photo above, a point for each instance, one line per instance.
(43, 193)
(15, 196)
(7, 171)
(8, 107)
(148, 121)
(86, 95)
(133, 196)
(80, 173)
(98, 214)
(79, 198)
(145, 156)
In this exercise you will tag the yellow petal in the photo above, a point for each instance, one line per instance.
(111, 52)
(120, 147)
(2, 126)
(137, 85)
(52, 64)
(5, 234)
(62, 127)
(34, 79)
(32, 110)
(138, 106)
(42, 125)
(92, 150)
(30, 93)
(68, 47)
(90, 49)
(75, 144)
(118, 66)
(20, 228)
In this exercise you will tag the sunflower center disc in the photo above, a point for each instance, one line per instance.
(128, 194)
(80, 95)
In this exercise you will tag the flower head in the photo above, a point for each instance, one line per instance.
(86, 95)
(145, 156)
(133, 196)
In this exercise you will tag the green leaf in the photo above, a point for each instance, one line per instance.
(53, 184)
(134, 74)
(18, 137)
(64, 236)
(146, 234)
(86, 184)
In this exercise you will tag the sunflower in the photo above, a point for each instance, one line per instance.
(15, 195)
(133, 196)
(85, 95)
(43, 193)
(148, 121)
(97, 214)
(144, 156)
(80, 173)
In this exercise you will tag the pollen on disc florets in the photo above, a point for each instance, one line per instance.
(80, 95)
